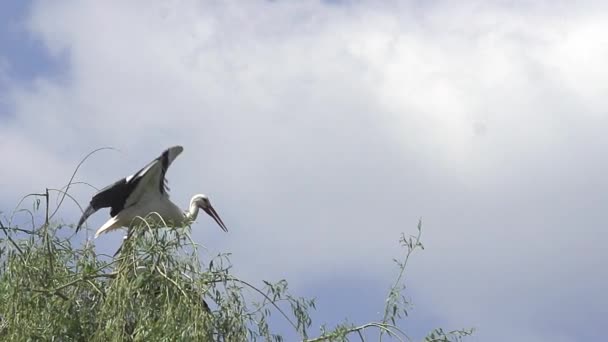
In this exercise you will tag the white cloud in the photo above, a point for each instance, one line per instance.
(322, 131)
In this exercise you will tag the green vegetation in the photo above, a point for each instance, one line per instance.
(157, 289)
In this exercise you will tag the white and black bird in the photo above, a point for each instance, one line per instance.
(143, 195)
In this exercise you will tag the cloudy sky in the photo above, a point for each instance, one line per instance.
(321, 130)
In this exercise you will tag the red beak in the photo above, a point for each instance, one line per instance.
(211, 212)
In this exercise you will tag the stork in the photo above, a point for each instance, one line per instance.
(145, 193)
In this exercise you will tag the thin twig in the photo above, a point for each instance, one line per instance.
(172, 281)
(10, 221)
(67, 187)
(47, 239)
(381, 326)
(74, 282)
(31, 217)
(270, 300)
(4, 229)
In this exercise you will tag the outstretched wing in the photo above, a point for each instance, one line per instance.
(129, 190)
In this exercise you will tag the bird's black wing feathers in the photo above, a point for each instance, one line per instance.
(165, 162)
(115, 196)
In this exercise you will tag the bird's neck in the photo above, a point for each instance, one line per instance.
(192, 212)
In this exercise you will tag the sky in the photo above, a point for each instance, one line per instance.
(321, 130)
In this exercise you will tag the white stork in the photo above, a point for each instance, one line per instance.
(145, 193)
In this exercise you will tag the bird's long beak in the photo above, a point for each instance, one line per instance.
(211, 212)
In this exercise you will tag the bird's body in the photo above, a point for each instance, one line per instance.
(151, 211)
(144, 196)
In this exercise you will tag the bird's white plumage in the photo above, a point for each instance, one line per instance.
(149, 209)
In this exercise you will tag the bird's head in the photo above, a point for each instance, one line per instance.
(202, 201)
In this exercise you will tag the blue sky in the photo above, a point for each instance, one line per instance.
(24, 56)
(321, 131)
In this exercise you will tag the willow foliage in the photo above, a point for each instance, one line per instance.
(156, 289)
